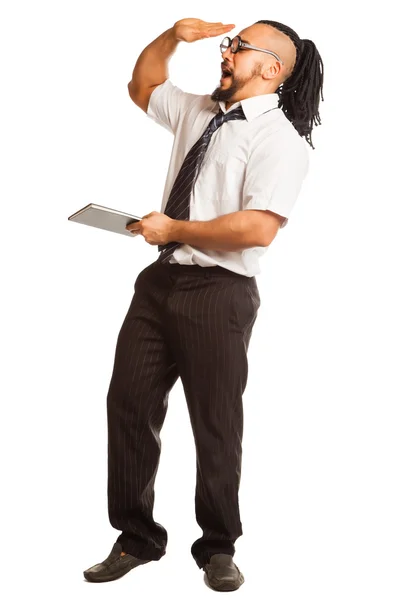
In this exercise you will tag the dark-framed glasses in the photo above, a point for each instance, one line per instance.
(237, 44)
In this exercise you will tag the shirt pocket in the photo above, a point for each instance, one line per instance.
(225, 159)
(228, 172)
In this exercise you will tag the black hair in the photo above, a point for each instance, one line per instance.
(299, 94)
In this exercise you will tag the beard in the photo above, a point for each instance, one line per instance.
(225, 94)
(236, 84)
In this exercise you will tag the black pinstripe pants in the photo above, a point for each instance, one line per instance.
(195, 323)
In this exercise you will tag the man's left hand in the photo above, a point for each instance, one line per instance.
(156, 228)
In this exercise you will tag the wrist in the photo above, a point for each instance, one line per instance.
(175, 230)
(173, 34)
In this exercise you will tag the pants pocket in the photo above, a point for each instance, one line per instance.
(253, 293)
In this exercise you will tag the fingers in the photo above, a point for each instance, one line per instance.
(133, 227)
(215, 29)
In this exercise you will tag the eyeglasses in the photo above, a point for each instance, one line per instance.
(237, 44)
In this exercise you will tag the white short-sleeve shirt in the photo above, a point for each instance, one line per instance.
(256, 163)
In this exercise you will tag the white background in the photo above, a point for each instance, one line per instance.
(325, 490)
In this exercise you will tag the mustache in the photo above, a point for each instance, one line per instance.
(225, 67)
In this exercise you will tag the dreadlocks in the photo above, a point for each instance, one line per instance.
(299, 93)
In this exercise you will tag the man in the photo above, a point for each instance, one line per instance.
(236, 169)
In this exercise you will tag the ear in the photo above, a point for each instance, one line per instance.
(272, 71)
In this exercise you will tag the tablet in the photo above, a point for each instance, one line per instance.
(105, 218)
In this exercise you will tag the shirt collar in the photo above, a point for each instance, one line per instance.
(253, 107)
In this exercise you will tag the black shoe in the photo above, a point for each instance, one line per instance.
(113, 567)
(222, 574)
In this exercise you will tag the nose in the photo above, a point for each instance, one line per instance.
(227, 54)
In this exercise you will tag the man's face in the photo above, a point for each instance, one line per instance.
(240, 71)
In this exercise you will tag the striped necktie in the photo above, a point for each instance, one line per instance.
(178, 204)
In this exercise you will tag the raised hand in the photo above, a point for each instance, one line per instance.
(191, 30)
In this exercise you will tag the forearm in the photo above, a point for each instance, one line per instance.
(228, 233)
(152, 65)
